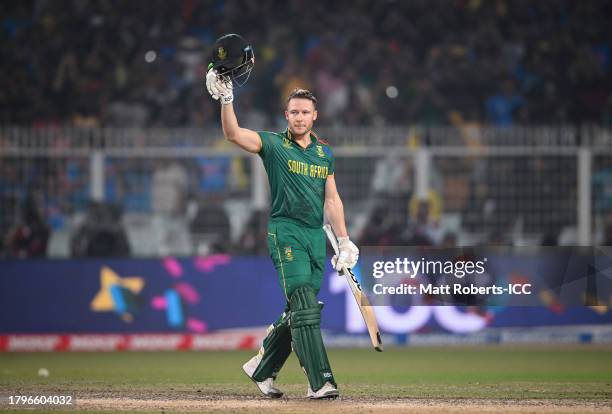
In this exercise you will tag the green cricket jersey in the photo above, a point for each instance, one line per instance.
(297, 176)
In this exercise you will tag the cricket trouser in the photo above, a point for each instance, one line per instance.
(298, 253)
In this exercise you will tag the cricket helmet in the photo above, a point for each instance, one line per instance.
(233, 57)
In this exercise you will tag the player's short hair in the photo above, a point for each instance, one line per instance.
(298, 93)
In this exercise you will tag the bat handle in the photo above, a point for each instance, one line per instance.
(332, 237)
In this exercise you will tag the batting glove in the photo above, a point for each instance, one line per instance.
(348, 254)
(219, 87)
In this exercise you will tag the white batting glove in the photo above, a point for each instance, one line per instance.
(219, 87)
(348, 254)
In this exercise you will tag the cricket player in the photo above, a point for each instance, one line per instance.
(300, 168)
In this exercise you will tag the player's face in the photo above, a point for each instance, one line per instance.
(300, 114)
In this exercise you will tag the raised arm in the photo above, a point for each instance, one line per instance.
(221, 88)
(245, 138)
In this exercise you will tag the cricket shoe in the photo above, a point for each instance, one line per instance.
(266, 386)
(327, 391)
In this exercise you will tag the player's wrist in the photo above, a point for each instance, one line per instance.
(342, 241)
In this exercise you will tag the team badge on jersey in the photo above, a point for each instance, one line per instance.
(287, 143)
(320, 152)
(221, 53)
(288, 254)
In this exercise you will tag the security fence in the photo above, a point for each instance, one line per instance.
(133, 192)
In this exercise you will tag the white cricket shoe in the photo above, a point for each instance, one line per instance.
(266, 386)
(327, 391)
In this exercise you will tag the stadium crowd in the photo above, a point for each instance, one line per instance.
(461, 63)
(136, 63)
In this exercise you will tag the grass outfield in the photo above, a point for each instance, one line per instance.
(199, 380)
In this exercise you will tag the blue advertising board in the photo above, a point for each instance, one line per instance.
(216, 293)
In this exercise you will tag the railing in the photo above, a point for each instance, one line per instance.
(515, 185)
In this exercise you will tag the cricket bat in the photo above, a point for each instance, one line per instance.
(367, 311)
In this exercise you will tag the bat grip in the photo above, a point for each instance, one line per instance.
(332, 237)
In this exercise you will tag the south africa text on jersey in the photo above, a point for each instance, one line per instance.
(311, 170)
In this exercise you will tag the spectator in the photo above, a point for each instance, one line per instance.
(470, 64)
(101, 234)
(255, 238)
(30, 236)
(169, 192)
(210, 227)
(502, 107)
(423, 231)
(169, 188)
(138, 63)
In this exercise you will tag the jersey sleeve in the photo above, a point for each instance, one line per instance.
(266, 145)
(332, 160)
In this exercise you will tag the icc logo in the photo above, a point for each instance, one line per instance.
(393, 321)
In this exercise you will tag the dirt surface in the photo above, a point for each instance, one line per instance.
(418, 380)
(293, 405)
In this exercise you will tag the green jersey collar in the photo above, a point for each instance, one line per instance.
(313, 138)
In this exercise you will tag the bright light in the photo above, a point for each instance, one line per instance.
(391, 92)
(150, 56)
